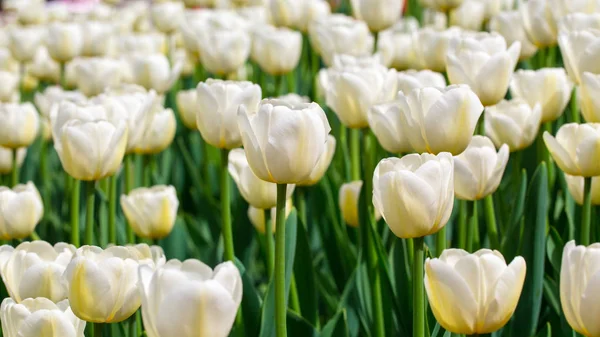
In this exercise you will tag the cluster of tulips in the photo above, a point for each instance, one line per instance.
(456, 135)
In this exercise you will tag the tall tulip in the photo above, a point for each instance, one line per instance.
(152, 71)
(276, 50)
(322, 164)
(509, 24)
(386, 123)
(257, 217)
(97, 38)
(579, 50)
(24, 42)
(430, 47)
(21, 209)
(94, 75)
(469, 15)
(159, 132)
(514, 123)
(379, 14)
(186, 106)
(223, 51)
(20, 124)
(576, 187)
(538, 22)
(65, 41)
(348, 201)
(39, 317)
(588, 99)
(151, 212)
(576, 148)
(167, 16)
(395, 43)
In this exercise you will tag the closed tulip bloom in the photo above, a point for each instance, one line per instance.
(91, 150)
(217, 106)
(479, 169)
(415, 193)
(284, 143)
(576, 148)
(483, 62)
(257, 216)
(187, 106)
(395, 43)
(40, 317)
(204, 303)
(21, 209)
(158, 133)
(469, 15)
(430, 47)
(151, 212)
(562, 8)
(352, 91)
(579, 287)
(579, 50)
(167, 15)
(20, 124)
(97, 38)
(223, 51)
(588, 97)
(322, 165)
(9, 91)
(539, 23)
(32, 12)
(386, 123)
(298, 14)
(6, 159)
(24, 42)
(94, 75)
(258, 193)
(514, 123)
(575, 186)
(509, 24)
(550, 87)
(348, 202)
(473, 293)
(578, 21)
(434, 19)
(154, 72)
(413, 79)
(379, 14)
(35, 269)
(65, 41)
(439, 119)
(50, 98)
(44, 67)
(340, 34)
(276, 50)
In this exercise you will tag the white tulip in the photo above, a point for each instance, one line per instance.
(6, 159)
(39, 317)
(167, 15)
(348, 199)
(469, 15)
(413, 79)
(187, 106)
(579, 50)
(539, 23)
(576, 189)
(576, 148)
(150, 43)
(158, 133)
(20, 125)
(378, 14)
(294, 99)
(579, 21)
(21, 209)
(24, 42)
(434, 19)
(514, 123)
(509, 24)
(395, 43)
(430, 47)
(151, 212)
(9, 91)
(97, 38)
(152, 71)
(323, 164)
(561, 8)
(44, 67)
(386, 123)
(276, 50)
(65, 41)
(94, 75)
(588, 97)
(257, 216)
(31, 12)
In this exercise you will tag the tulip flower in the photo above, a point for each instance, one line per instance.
(149, 43)
(276, 50)
(39, 317)
(294, 99)
(20, 124)
(35, 269)
(415, 193)
(379, 14)
(223, 51)
(21, 209)
(159, 131)
(257, 216)
(579, 49)
(340, 34)
(549, 87)
(413, 79)
(24, 42)
(94, 292)
(187, 103)
(539, 24)
(473, 293)
(205, 302)
(217, 105)
(283, 157)
(562, 8)
(588, 99)
(434, 19)
(297, 13)
(258, 193)
(322, 165)
(395, 43)
(575, 185)
(510, 25)
(483, 62)
(6, 159)
(514, 123)
(479, 169)
(154, 72)
(348, 202)
(44, 67)
(386, 123)
(430, 47)
(469, 15)
(9, 91)
(97, 38)
(151, 212)
(94, 75)
(352, 91)
(576, 148)
(152, 255)
(65, 41)
(578, 288)
(578, 21)
(444, 5)
(167, 16)
(31, 12)
(49, 100)
(438, 120)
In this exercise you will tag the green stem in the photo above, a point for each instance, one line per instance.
(301, 205)
(98, 327)
(128, 188)
(63, 76)
(472, 230)
(294, 299)
(490, 217)
(226, 207)
(89, 212)
(574, 105)
(15, 169)
(75, 195)
(462, 224)
(355, 154)
(269, 242)
(418, 293)
(440, 241)
(44, 173)
(291, 81)
(280, 296)
(587, 211)
(112, 209)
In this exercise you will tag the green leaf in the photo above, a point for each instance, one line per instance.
(546, 331)
(534, 251)
(250, 305)
(337, 326)
(552, 295)
(305, 280)
(402, 269)
(299, 327)
(517, 214)
(554, 249)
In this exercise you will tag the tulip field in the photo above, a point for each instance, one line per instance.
(301, 168)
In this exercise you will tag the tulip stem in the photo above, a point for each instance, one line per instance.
(63, 76)
(44, 173)
(75, 195)
(112, 209)
(418, 294)
(472, 230)
(587, 211)
(128, 187)
(269, 242)
(440, 242)
(15, 169)
(226, 207)
(574, 105)
(89, 212)
(291, 82)
(355, 153)
(462, 224)
(98, 327)
(490, 217)
(280, 295)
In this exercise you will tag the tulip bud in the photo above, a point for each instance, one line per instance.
(578, 50)
(578, 21)
(24, 42)
(513, 123)
(378, 14)
(413, 79)
(352, 91)
(204, 303)
(6, 159)
(97, 38)
(469, 15)
(510, 25)
(348, 201)
(323, 163)
(386, 123)
(223, 51)
(482, 61)
(482, 289)
(257, 216)
(167, 16)
(576, 148)
(276, 50)
(395, 43)
(35, 269)
(479, 169)
(187, 106)
(154, 72)
(20, 124)
(217, 105)
(94, 75)
(39, 317)
(575, 186)
(415, 193)
(283, 143)
(151, 212)
(455, 109)
(65, 41)
(21, 209)
(158, 133)
(550, 87)
(538, 22)
(579, 287)
(94, 293)
(430, 47)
